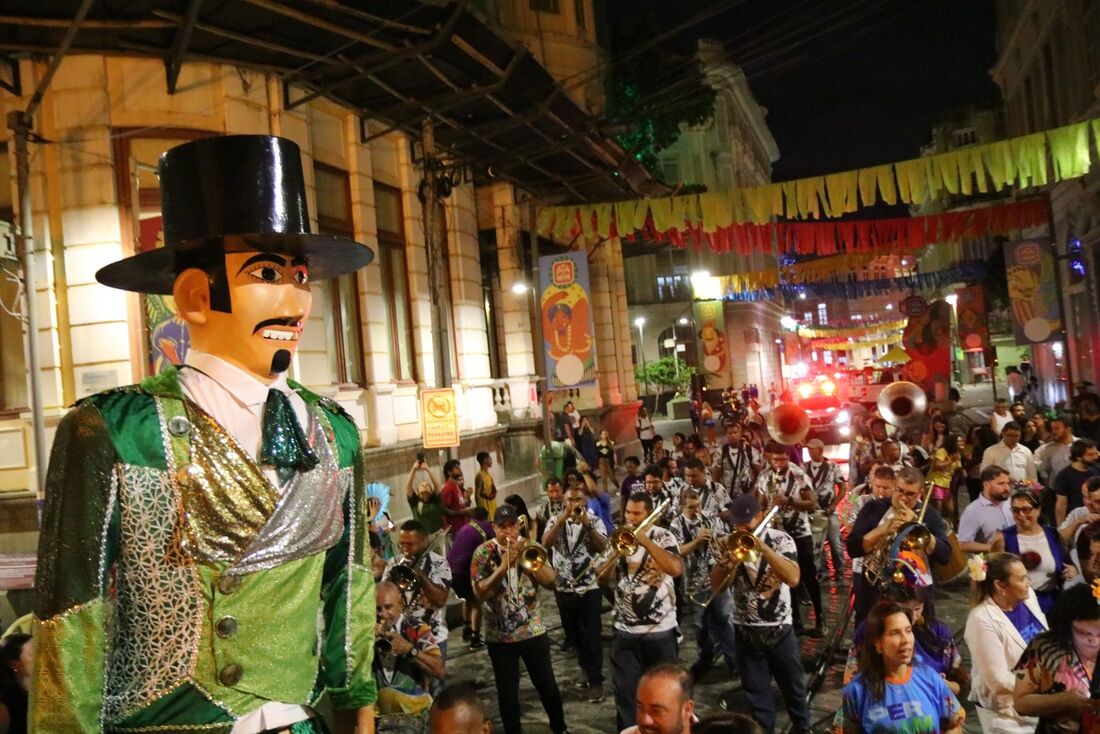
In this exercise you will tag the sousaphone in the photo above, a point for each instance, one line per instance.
(902, 404)
(789, 424)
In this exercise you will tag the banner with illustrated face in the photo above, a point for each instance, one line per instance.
(1033, 291)
(713, 345)
(566, 312)
(927, 341)
(971, 314)
(169, 337)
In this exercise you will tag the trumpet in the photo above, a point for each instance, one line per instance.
(623, 541)
(742, 546)
(577, 513)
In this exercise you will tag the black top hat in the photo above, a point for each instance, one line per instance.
(246, 186)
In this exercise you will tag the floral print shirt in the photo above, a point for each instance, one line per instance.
(512, 615)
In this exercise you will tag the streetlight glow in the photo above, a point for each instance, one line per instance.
(889, 307)
(683, 321)
(953, 299)
(519, 287)
(788, 323)
(639, 322)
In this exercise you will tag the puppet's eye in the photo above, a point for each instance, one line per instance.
(300, 273)
(266, 273)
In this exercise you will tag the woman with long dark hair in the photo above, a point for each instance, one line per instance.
(1057, 670)
(16, 666)
(912, 694)
(1039, 548)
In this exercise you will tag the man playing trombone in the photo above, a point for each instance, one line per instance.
(761, 580)
(645, 559)
(507, 572)
(424, 578)
(576, 536)
(877, 526)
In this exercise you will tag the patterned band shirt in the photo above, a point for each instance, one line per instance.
(572, 556)
(760, 599)
(417, 609)
(737, 464)
(697, 564)
(645, 599)
(771, 486)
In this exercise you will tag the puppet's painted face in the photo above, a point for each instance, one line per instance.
(269, 303)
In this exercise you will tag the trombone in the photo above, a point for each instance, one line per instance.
(912, 536)
(623, 541)
(402, 574)
(741, 546)
(532, 555)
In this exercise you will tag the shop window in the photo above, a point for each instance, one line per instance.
(395, 279)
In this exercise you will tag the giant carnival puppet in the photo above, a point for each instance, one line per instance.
(203, 563)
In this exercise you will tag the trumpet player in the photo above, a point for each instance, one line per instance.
(738, 463)
(715, 498)
(767, 648)
(789, 488)
(406, 656)
(514, 629)
(878, 524)
(576, 537)
(427, 598)
(698, 534)
(645, 604)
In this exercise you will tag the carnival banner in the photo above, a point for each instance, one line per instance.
(713, 355)
(971, 314)
(927, 341)
(1033, 291)
(169, 337)
(568, 335)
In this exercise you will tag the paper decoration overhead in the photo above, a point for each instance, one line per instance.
(816, 332)
(1023, 162)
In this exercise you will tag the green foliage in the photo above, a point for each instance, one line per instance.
(655, 91)
(660, 375)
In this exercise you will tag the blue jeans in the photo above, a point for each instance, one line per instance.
(767, 653)
(715, 623)
(831, 534)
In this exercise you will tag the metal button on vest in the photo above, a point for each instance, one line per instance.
(179, 426)
(229, 584)
(226, 627)
(230, 675)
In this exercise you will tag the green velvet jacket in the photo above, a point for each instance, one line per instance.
(177, 590)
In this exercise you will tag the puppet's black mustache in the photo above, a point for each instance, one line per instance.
(289, 321)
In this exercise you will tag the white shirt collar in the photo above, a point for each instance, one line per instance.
(245, 388)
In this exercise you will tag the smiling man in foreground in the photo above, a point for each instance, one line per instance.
(199, 524)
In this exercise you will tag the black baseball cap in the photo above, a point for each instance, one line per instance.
(505, 513)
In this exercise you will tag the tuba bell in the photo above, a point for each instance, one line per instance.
(902, 404)
(789, 423)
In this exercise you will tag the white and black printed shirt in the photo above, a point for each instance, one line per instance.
(714, 498)
(436, 568)
(824, 477)
(736, 463)
(772, 486)
(760, 599)
(676, 487)
(697, 564)
(572, 556)
(645, 600)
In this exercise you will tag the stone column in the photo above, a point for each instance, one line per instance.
(608, 370)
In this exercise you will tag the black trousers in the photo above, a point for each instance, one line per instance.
(580, 618)
(535, 653)
(866, 595)
(631, 655)
(807, 582)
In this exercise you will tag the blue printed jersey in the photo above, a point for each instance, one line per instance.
(920, 704)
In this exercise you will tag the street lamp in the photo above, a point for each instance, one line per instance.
(640, 323)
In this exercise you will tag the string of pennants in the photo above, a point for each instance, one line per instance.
(852, 289)
(817, 332)
(1031, 160)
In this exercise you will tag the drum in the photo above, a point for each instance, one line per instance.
(954, 568)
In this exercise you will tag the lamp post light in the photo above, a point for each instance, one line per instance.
(640, 323)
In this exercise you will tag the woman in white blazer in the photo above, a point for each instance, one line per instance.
(1004, 616)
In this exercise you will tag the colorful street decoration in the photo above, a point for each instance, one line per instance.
(856, 330)
(927, 341)
(713, 346)
(566, 312)
(1033, 291)
(970, 313)
(1017, 162)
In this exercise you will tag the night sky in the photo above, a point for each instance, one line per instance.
(847, 84)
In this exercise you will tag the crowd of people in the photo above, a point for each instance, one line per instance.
(728, 539)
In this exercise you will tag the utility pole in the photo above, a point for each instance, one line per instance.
(535, 295)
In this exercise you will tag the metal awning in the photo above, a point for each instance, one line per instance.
(496, 110)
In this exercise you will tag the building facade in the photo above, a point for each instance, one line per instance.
(1048, 69)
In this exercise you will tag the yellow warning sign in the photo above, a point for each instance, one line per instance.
(439, 417)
